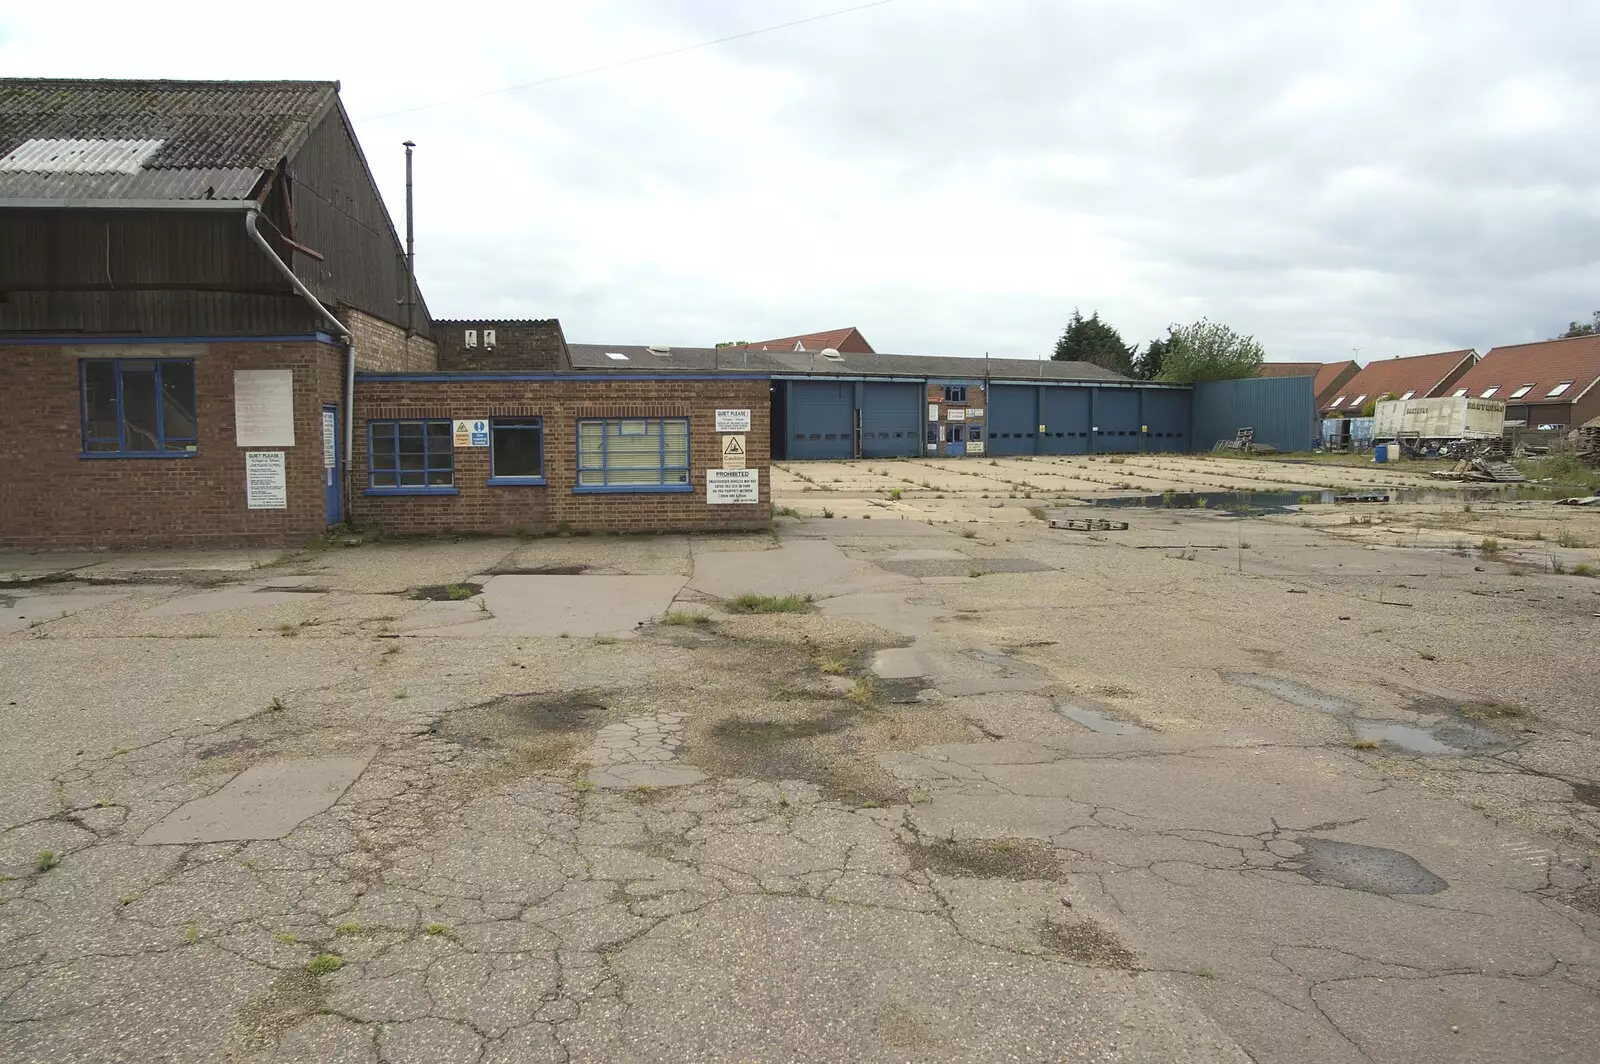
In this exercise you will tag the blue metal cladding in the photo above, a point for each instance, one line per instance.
(1064, 413)
(1282, 410)
(1013, 420)
(821, 421)
(1116, 420)
(1166, 413)
(891, 420)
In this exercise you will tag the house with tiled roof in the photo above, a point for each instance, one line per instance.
(1410, 377)
(1553, 382)
(846, 341)
(1326, 376)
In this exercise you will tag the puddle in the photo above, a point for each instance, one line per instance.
(1294, 693)
(1448, 735)
(1096, 721)
(445, 592)
(1017, 859)
(1368, 868)
(1258, 501)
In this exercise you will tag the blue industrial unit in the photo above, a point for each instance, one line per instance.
(891, 419)
(1064, 413)
(1116, 421)
(1166, 412)
(1281, 410)
(821, 419)
(1013, 419)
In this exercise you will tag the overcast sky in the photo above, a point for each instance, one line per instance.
(951, 176)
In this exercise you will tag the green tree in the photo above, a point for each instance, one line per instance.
(1092, 340)
(1147, 366)
(1582, 328)
(1209, 351)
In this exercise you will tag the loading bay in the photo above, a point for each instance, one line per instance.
(913, 776)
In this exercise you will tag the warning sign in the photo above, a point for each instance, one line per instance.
(472, 433)
(733, 421)
(733, 452)
(724, 486)
(265, 485)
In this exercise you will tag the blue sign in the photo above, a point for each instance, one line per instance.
(480, 434)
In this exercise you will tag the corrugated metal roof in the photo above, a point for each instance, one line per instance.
(741, 359)
(217, 137)
(50, 155)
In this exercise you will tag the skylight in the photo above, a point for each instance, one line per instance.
(1558, 389)
(1409, 393)
(1459, 393)
(1337, 402)
(1358, 400)
(1520, 392)
(1489, 391)
(616, 356)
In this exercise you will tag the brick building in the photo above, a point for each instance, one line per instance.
(205, 312)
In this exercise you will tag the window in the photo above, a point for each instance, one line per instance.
(138, 408)
(516, 450)
(1489, 391)
(1558, 389)
(1520, 392)
(616, 356)
(955, 393)
(1408, 394)
(1337, 402)
(633, 454)
(1358, 400)
(1459, 393)
(410, 458)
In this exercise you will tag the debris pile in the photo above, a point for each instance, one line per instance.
(1494, 471)
(1088, 524)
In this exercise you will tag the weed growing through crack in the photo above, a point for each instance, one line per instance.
(750, 602)
(831, 665)
(969, 533)
(686, 618)
(1365, 744)
(863, 692)
(920, 796)
(127, 899)
(457, 592)
(402, 695)
(827, 512)
(323, 963)
(191, 934)
(604, 640)
(1584, 569)
(286, 938)
(974, 572)
(46, 860)
(287, 630)
(1488, 545)
(349, 927)
(584, 784)
(277, 705)
(895, 494)
(437, 929)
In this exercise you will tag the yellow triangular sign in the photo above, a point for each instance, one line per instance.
(732, 445)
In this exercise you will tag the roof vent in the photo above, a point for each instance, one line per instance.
(832, 354)
(658, 349)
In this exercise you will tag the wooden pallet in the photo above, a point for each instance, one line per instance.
(1088, 524)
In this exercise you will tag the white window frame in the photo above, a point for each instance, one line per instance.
(1522, 389)
(1559, 389)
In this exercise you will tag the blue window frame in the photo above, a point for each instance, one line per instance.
(955, 393)
(633, 454)
(138, 407)
(410, 458)
(516, 450)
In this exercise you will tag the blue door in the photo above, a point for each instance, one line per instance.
(958, 441)
(332, 466)
(821, 419)
(1116, 415)
(1013, 419)
(1065, 417)
(891, 416)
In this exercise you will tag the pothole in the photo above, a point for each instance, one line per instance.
(522, 716)
(1018, 859)
(1087, 942)
(1372, 869)
(445, 592)
(1096, 721)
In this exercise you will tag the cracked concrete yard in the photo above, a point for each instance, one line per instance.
(1331, 793)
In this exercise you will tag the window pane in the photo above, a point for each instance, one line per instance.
(515, 450)
(412, 480)
(139, 406)
(441, 479)
(177, 397)
(100, 403)
(385, 480)
(590, 434)
(411, 437)
(441, 445)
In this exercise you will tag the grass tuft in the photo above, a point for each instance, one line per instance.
(323, 963)
(1584, 569)
(1488, 545)
(1365, 744)
(686, 618)
(750, 602)
(349, 927)
(437, 929)
(46, 860)
(832, 665)
(863, 692)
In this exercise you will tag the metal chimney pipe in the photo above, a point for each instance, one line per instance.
(411, 251)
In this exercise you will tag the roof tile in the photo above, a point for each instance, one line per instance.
(1544, 365)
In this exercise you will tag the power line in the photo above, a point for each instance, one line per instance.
(628, 62)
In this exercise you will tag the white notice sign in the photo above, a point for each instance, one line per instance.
(733, 421)
(933, 411)
(956, 413)
(725, 486)
(974, 446)
(265, 486)
(974, 411)
(733, 452)
(263, 407)
(330, 439)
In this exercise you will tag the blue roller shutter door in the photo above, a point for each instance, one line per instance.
(1116, 420)
(822, 419)
(891, 420)
(1167, 414)
(1012, 426)
(1065, 421)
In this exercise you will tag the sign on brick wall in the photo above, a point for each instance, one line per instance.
(266, 487)
(733, 421)
(733, 452)
(724, 486)
(472, 432)
(263, 407)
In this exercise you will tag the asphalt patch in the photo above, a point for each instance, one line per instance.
(523, 716)
(1016, 859)
(1372, 869)
(1087, 942)
(539, 570)
(1587, 793)
(445, 592)
(923, 568)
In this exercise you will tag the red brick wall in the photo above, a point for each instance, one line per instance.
(51, 497)
(519, 346)
(480, 507)
(976, 397)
